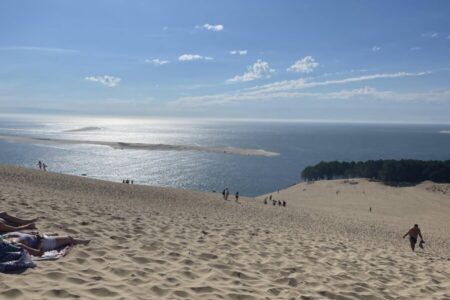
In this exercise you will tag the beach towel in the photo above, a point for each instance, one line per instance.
(53, 254)
(13, 258)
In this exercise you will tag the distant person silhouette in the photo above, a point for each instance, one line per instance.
(39, 165)
(237, 196)
(413, 233)
(44, 166)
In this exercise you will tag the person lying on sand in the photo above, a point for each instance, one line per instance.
(413, 233)
(37, 244)
(9, 223)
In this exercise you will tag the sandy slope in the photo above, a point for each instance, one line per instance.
(160, 243)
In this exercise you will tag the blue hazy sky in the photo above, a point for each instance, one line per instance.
(313, 60)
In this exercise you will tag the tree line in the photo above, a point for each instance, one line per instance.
(389, 171)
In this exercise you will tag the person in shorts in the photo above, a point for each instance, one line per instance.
(413, 234)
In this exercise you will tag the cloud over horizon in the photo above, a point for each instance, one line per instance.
(218, 27)
(290, 89)
(305, 65)
(238, 52)
(156, 61)
(107, 80)
(191, 57)
(260, 69)
(42, 49)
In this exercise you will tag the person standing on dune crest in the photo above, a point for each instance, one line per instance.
(413, 233)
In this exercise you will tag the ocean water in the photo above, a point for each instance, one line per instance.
(299, 145)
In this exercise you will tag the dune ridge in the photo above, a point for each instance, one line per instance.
(163, 243)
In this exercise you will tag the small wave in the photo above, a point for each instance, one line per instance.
(140, 146)
(88, 128)
(445, 131)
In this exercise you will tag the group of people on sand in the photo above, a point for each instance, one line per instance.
(42, 165)
(128, 181)
(22, 234)
(274, 202)
(226, 194)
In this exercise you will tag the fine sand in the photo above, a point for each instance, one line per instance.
(162, 243)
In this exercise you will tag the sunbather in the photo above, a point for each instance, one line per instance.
(10, 223)
(37, 244)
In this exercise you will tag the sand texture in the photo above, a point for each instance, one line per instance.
(162, 243)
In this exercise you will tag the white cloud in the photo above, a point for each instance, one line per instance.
(347, 94)
(415, 48)
(190, 57)
(303, 84)
(305, 65)
(291, 90)
(42, 49)
(376, 48)
(157, 61)
(210, 27)
(107, 80)
(258, 70)
(372, 93)
(238, 52)
(431, 35)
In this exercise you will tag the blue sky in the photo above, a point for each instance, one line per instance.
(311, 60)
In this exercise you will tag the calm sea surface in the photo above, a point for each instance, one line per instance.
(299, 145)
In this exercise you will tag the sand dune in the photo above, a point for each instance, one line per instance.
(139, 146)
(162, 243)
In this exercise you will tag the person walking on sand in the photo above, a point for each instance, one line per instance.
(413, 233)
(44, 166)
(227, 193)
(39, 165)
(237, 196)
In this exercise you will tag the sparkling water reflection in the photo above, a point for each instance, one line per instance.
(299, 145)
